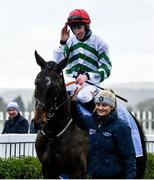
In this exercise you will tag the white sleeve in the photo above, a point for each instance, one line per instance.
(58, 54)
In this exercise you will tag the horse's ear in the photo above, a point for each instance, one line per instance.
(40, 61)
(59, 67)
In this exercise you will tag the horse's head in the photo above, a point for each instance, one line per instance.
(48, 85)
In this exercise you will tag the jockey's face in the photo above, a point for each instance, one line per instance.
(103, 109)
(79, 31)
(12, 112)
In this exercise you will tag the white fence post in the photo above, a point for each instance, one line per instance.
(149, 119)
(143, 119)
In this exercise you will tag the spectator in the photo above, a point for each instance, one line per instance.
(16, 123)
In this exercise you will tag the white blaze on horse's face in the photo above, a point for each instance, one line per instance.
(48, 80)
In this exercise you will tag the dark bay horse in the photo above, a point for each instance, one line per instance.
(60, 146)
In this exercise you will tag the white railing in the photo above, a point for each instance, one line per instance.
(150, 143)
(15, 145)
(146, 118)
(18, 145)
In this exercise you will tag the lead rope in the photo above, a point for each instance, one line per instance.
(64, 128)
(59, 134)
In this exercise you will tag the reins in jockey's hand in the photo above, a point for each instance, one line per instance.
(123, 99)
(78, 89)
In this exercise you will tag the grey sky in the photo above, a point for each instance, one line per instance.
(25, 25)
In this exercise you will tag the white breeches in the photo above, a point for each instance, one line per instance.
(85, 94)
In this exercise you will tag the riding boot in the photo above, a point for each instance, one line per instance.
(89, 105)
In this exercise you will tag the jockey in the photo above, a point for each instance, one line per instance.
(88, 54)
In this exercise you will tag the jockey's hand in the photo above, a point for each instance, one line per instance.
(82, 78)
(65, 33)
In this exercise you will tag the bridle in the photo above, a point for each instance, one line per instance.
(51, 114)
(54, 107)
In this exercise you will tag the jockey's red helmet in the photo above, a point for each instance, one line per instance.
(78, 16)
